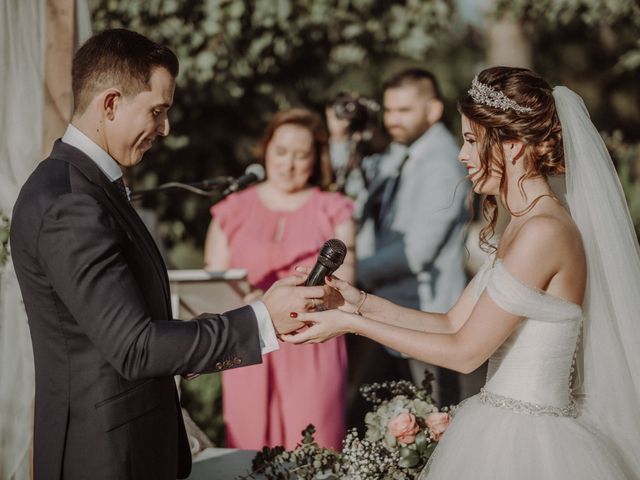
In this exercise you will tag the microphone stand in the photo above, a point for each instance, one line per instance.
(207, 188)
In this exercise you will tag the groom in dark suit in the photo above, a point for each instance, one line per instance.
(96, 291)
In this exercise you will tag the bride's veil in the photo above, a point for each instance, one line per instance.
(609, 353)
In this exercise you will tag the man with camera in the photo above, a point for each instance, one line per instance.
(355, 140)
(410, 244)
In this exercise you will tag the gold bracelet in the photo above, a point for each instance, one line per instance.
(363, 295)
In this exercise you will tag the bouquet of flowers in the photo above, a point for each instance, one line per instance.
(4, 239)
(402, 431)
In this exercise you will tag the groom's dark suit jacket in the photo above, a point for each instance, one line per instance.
(105, 345)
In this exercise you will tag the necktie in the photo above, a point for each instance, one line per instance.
(389, 192)
(119, 184)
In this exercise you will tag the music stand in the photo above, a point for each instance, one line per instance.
(198, 291)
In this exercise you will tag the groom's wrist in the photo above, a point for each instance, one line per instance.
(266, 329)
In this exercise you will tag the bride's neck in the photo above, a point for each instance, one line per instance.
(521, 195)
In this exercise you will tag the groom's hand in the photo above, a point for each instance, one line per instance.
(337, 293)
(286, 296)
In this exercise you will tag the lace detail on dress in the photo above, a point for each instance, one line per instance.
(519, 406)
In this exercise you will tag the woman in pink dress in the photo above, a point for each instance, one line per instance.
(270, 229)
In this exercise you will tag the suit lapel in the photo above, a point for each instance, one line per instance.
(119, 206)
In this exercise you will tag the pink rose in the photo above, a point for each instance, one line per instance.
(404, 428)
(437, 424)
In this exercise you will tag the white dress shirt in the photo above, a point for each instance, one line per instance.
(108, 166)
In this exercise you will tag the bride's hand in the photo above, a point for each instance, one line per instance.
(322, 326)
(338, 293)
(352, 298)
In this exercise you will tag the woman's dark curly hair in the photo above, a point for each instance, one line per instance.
(538, 129)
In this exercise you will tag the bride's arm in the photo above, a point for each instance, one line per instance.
(384, 311)
(464, 350)
(481, 333)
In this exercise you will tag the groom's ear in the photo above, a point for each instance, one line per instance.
(110, 102)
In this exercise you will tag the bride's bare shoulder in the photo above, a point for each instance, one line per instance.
(545, 245)
(547, 234)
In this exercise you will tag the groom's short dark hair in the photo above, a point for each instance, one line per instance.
(120, 59)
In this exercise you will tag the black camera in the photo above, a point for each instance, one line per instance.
(361, 112)
(365, 133)
(363, 115)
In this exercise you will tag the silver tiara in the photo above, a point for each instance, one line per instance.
(487, 95)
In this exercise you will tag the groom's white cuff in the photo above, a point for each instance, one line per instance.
(268, 339)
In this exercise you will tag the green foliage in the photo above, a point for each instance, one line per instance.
(408, 458)
(626, 156)
(591, 12)
(623, 16)
(242, 60)
(581, 44)
(201, 397)
(308, 461)
(372, 457)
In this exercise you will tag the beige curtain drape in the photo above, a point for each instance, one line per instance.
(37, 41)
(59, 48)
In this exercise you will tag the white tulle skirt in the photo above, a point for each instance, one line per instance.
(485, 442)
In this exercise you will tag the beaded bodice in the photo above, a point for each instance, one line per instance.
(531, 371)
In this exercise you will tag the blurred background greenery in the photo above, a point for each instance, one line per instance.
(242, 60)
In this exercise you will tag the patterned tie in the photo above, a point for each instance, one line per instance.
(119, 184)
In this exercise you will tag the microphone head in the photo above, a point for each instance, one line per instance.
(332, 254)
(253, 173)
(257, 170)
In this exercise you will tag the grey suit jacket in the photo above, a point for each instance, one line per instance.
(416, 256)
(105, 345)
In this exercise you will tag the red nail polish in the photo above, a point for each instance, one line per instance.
(329, 277)
(293, 315)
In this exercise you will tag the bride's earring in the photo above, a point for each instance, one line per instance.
(513, 157)
(510, 155)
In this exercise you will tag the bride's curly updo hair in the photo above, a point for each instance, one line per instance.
(533, 121)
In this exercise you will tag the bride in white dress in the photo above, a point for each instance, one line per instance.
(555, 309)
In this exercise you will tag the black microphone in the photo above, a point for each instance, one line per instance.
(330, 258)
(254, 173)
